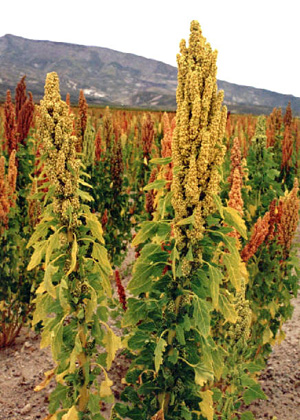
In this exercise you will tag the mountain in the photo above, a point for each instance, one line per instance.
(113, 78)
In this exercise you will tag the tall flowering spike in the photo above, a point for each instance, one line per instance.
(21, 96)
(10, 123)
(259, 139)
(62, 167)
(288, 217)
(117, 167)
(4, 196)
(236, 160)
(88, 146)
(259, 234)
(197, 146)
(288, 116)
(12, 177)
(25, 119)
(98, 145)
(166, 148)
(107, 128)
(274, 122)
(287, 149)
(147, 135)
(82, 120)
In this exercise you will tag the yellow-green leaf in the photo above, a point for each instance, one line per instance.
(73, 255)
(72, 414)
(112, 344)
(233, 219)
(158, 352)
(206, 405)
(227, 309)
(233, 271)
(95, 226)
(105, 387)
(37, 255)
(77, 349)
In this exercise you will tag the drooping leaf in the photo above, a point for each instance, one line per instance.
(158, 353)
(233, 270)
(73, 255)
(112, 344)
(227, 309)
(201, 315)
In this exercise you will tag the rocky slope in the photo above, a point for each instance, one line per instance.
(112, 77)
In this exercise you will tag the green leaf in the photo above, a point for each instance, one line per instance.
(180, 334)
(158, 352)
(147, 230)
(40, 232)
(49, 272)
(73, 255)
(216, 277)
(161, 161)
(52, 245)
(38, 254)
(233, 270)
(112, 343)
(57, 340)
(187, 221)
(252, 393)
(148, 268)
(158, 184)
(94, 403)
(233, 219)
(201, 315)
(103, 266)
(95, 226)
(227, 309)
(247, 415)
(202, 374)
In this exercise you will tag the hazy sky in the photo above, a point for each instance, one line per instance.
(258, 41)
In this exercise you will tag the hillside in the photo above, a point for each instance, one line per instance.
(113, 78)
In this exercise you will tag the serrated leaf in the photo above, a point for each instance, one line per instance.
(267, 335)
(56, 340)
(40, 232)
(103, 266)
(227, 309)
(47, 281)
(233, 270)
(158, 353)
(233, 219)
(148, 268)
(105, 387)
(203, 374)
(37, 255)
(73, 255)
(94, 403)
(201, 316)
(253, 393)
(77, 349)
(95, 226)
(206, 405)
(216, 278)
(112, 344)
(53, 244)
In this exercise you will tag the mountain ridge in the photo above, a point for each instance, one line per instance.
(115, 78)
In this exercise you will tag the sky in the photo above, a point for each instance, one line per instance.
(258, 41)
